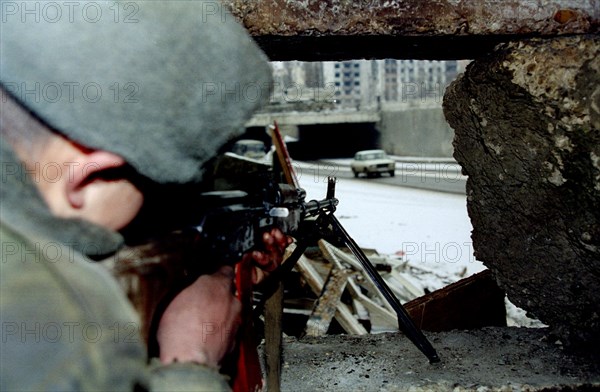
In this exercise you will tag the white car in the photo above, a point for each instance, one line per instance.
(372, 162)
(249, 148)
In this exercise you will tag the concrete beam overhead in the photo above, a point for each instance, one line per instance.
(440, 29)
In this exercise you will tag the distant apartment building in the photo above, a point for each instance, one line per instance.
(409, 80)
(297, 80)
(353, 83)
(365, 84)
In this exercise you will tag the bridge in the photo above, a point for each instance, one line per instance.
(296, 118)
(325, 133)
(403, 131)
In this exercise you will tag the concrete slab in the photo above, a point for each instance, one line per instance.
(441, 29)
(490, 359)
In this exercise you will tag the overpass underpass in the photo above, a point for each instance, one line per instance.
(334, 140)
(325, 134)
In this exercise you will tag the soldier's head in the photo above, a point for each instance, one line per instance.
(107, 91)
(75, 181)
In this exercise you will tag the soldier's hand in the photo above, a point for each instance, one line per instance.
(200, 324)
(267, 260)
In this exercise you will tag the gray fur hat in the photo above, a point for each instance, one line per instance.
(164, 83)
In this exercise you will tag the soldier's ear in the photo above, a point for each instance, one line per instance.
(87, 168)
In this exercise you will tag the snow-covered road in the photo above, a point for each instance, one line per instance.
(430, 230)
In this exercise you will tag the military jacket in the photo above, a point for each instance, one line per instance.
(66, 324)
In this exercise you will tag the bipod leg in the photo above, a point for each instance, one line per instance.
(405, 323)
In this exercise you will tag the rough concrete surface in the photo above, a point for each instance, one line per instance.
(527, 133)
(490, 359)
(402, 17)
(334, 29)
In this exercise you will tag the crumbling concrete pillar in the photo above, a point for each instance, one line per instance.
(527, 123)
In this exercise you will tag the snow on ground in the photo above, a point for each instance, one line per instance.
(429, 230)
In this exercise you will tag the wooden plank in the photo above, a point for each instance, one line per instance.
(351, 260)
(273, 339)
(379, 315)
(343, 313)
(360, 310)
(412, 290)
(332, 253)
(344, 316)
(327, 303)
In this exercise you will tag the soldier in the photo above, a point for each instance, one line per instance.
(97, 96)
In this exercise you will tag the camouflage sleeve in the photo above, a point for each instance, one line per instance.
(183, 377)
(65, 326)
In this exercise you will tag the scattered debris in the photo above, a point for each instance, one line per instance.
(344, 291)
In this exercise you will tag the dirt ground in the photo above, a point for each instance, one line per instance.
(490, 359)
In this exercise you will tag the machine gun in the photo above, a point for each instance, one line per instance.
(249, 200)
(235, 221)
